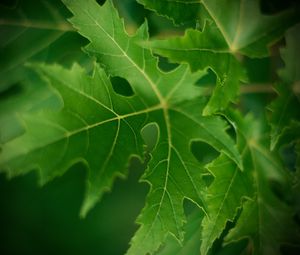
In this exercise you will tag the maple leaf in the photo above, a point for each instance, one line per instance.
(172, 9)
(244, 28)
(100, 128)
(224, 197)
(285, 118)
(35, 94)
(191, 244)
(206, 49)
(265, 218)
(26, 33)
(238, 28)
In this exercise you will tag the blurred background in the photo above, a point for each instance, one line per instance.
(45, 220)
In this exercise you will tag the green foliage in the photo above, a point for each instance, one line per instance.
(111, 102)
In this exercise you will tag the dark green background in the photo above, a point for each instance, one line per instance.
(45, 220)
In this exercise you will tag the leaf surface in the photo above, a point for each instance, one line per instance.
(54, 141)
(266, 220)
(100, 128)
(27, 28)
(224, 197)
(206, 49)
(191, 244)
(245, 29)
(285, 108)
(173, 10)
(238, 28)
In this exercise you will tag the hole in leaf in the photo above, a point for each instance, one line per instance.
(231, 132)
(239, 247)
(208, 80)
(150, 134)
(101, 2)
(203, 152)
(279, 191)
(165, 65)
(121, 86)
(289, 156)
(207, 178)
(218, 243)
(191, 207)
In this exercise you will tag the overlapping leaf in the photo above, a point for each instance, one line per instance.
(53, 141)
(32, 94)
(172, 9)
(245, 29)
(191, 244)
(27, 27)
(224, 197)
(265, 219)
(238, 28)
(285, 109)
(102, 129)
(206, 49)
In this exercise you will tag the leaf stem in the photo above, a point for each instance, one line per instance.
(263, 88)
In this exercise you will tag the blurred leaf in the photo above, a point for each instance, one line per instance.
(92, 108)
(239, 28)
(27, 28)
(191, 244)
(285, 109)
(172, 9)
(224, 197)
(31, 95)
(290, 55)
(245, 29)
(265, 219)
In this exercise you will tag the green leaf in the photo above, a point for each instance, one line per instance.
(229, 189)
(191, 244)
(100, 128)
(245, 29)
(285, 109)
(272, 220)
(290, 55)
(27, 28)
(266, 220)
(206, 49)
(238, 28)
(72, 135)
(27, 97)
(224, 198)
(172, 9)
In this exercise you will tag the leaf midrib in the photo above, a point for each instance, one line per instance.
(68, 134)
(145, 75)
(224, 198)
